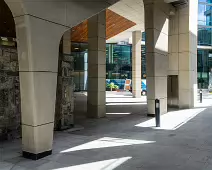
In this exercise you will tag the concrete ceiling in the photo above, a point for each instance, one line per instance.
(132, 10)
(170, 1)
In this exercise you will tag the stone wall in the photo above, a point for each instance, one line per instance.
(64, 117)
(10, 111)
(10, 102)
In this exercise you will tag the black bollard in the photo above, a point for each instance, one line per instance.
(157, 112)
(200, 94)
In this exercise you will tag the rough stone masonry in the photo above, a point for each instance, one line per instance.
(10, 101)
(10, 111)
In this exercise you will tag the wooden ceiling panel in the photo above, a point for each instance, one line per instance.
(115, 24)
(79, 33)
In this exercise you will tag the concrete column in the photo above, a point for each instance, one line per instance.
(136, 64)
(96, 66)
(38, 48)
(39, 28)
(67, 42)
(183, 52)
(156, 28)
(188, 55)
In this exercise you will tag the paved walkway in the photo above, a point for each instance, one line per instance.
(126, 140)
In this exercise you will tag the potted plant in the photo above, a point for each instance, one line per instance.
(116, 87)
(112, 87)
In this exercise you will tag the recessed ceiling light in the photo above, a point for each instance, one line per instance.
(4, 38)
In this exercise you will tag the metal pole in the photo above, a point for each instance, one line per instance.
(157, 112)
(200, 94)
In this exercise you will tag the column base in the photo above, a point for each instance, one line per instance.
(136, 94)
(151, 106)
(37, 156)
(150, 115)
(96, 111)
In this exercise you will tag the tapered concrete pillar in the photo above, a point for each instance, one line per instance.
(96, 66)
(136, 64)
(67, 42)
(38, 48)
(183, 52)
(39, 28)
(156, 28)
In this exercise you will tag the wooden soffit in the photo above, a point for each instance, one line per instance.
(115, 24)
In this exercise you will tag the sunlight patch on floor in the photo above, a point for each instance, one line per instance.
(126, 100)
(100, 165)
(205, 103)
(173, 120)
(118, 113)
(121, 104)
(115, 95)
(106, 142)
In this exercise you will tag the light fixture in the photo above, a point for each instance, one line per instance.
(4, 39)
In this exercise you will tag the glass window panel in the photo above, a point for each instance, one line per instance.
(205, 1)
(205, 14)
(77, 81)
(204, 36)
(204, 68)
(143, 36)
(79, 62)
(125, 55)
(143, 62)
(83, 81)
(107, 53)
(83, 47)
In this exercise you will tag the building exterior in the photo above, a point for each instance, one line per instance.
(118, 64)
(119, 57)
(46, 66)
(204, 58)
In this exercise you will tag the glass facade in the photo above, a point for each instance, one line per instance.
(119, 57)
(204, 57)
(80, 53)
(118, 61)
(118, 64)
